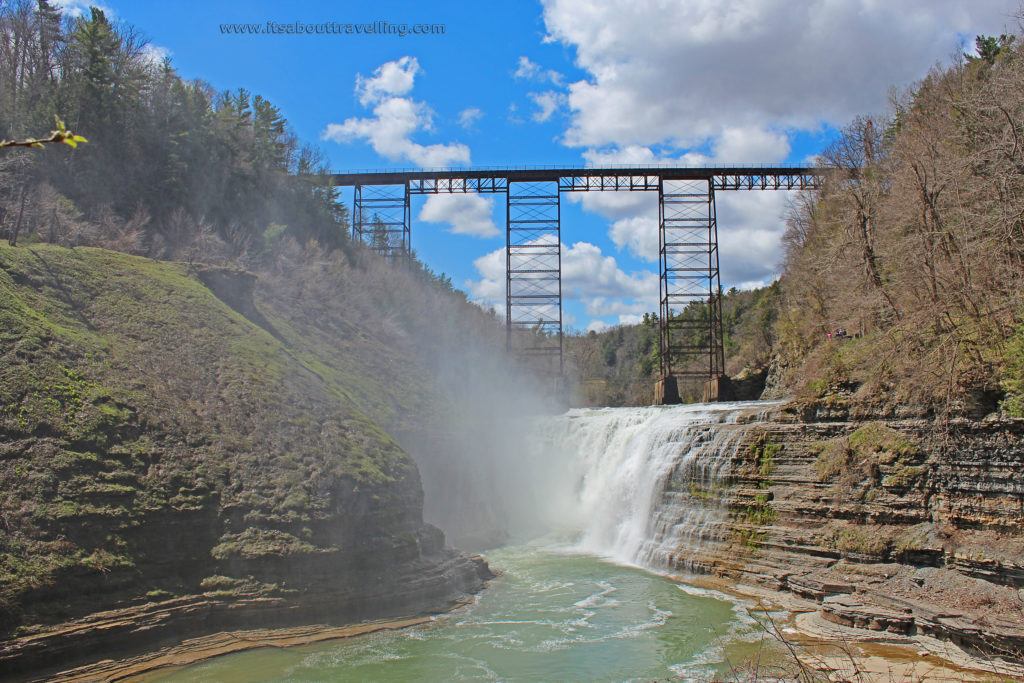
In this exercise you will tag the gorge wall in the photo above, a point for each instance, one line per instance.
(885, 522)
(173, 462)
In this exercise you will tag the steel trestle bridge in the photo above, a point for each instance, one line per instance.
(687, 244)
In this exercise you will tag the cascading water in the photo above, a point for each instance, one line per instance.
(638, 484)
(635, 485)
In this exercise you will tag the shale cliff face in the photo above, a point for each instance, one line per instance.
(166, 453)
(885, 523)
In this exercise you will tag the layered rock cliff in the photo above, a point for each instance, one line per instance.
(165, 451)
(889, 524)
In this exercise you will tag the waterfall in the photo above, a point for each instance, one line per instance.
(639, 485)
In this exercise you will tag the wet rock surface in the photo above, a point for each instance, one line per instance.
(429, 586)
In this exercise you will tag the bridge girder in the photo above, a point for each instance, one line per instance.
(689, 284)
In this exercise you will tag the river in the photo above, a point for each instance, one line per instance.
(551, 615)
(584, 600)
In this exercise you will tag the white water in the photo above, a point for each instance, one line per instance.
(620, 483)
(635, 485)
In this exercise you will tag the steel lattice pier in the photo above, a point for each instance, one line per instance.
(533, 270)
(690, 312)
(690, 305)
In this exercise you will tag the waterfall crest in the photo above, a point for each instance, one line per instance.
(638, 485)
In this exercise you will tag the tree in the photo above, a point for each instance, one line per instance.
(989, 47)
(379, 240)
(200, 167)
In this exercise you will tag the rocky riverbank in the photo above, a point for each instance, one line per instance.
(886, 524)
(131, 640)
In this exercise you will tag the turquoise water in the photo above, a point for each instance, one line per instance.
(597, 477)
(551, 615)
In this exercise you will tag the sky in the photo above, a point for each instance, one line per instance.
(571, 82)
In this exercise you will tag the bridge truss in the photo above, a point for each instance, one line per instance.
(690, 310)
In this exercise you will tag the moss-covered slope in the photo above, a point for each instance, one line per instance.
(156, 441)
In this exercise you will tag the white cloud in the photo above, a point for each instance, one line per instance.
(586, 272)
(729, 85)
(598, 325)
(617, 205)
(527, 69)
(600, 306)
(395, 119)
(548, 102)
(639, 234)
(772, 64)
(389, 79)
(750, 145)
(469, 116)
(753, 284)
(80, 8)
(155, 55)
(490, 288)
(750, 228)
(467, 214)
(632, 319)
(626, 208)
(588, 275)
(640, 155)
(750, 224)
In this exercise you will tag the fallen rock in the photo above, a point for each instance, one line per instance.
(855, 611)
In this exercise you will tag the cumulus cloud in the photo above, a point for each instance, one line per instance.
(638, 234)
(730, 84)
(750, 145)
(469, 116)
(640, 155)
(79, 8)
(600, 306)
(750, 228)
(623, 207)
(588, 275)
(395, 119)
(748, 222)
(748, 64)
(598, 325)
(390, 78)
(548, 102)
(467, 214)
(527, 69)
(490, 288)
(155, 55)
(632, 319)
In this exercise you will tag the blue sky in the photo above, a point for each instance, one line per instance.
(574, 82)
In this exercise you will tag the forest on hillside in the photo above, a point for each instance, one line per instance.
(916, 245)
(172, 168)
(619, 366)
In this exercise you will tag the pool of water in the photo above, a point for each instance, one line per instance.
(552, 614)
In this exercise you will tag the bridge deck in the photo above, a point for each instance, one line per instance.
(582, 178)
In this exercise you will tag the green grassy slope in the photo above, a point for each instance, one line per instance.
(153, 437)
